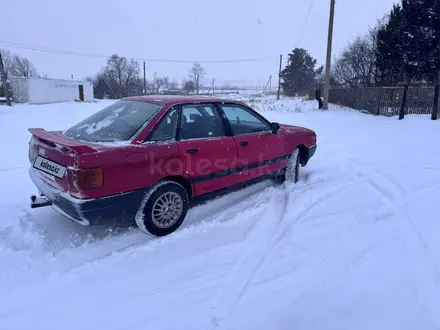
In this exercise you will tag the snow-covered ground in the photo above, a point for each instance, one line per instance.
(354, 245)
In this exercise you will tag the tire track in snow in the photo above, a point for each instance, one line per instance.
(236, 290)
(395, 197)
(263, 239)
(232, 287)
(329, 269)
(299, 216)
(386, 195)
(391, 193)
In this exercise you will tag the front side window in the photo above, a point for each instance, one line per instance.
(117, 122)
(201, 121)
(243, 121)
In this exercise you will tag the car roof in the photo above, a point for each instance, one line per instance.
(170, 100)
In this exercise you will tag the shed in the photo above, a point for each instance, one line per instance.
(45, 90)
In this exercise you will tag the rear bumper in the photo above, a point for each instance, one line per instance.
(118, 208)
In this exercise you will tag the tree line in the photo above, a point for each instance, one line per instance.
(122, 77)
(402, 48)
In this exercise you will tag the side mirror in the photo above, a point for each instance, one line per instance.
(275, 127)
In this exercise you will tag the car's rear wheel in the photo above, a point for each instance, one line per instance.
(163, 209)
(291, 172)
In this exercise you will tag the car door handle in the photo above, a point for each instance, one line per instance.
(192, 151)
(243, 143)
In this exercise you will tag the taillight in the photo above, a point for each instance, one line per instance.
(32, 142)
(91, 178)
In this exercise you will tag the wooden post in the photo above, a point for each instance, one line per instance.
(270, 84)
(403, 103)
(434, 114)
(5, 82)
(145, 80)
(279, 77)
(329, 55)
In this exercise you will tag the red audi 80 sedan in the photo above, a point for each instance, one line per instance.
(143, 159)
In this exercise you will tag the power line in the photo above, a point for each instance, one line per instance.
(302, 30)
(305, 23)
(68, 52)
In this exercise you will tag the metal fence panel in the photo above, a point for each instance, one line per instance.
(384, 101)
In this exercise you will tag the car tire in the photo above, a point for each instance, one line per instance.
(291, 172)
(163, 209)
(292, 169)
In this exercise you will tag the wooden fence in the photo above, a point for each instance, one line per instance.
(385, 101)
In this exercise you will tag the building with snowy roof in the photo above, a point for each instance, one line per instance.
(34, 90)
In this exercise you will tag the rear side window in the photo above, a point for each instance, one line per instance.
(117, 122)
(166, 129)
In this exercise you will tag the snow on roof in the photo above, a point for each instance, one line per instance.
(53, 79)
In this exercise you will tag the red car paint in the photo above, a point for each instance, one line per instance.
(113, 170)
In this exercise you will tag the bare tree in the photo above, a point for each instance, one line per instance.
(17, 66)
(122, 76)
(22, 67)
(7, 61)
(159, 82)
(196, 73)
(355, 67)
(6, 88)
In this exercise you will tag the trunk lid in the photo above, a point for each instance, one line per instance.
(51, 154)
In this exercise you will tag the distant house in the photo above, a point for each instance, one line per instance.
(45, 90)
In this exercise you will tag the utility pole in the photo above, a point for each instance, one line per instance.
(145, 80)
(267, 84)
(5, 82)
(279, 77)
(270, 84)
(329, 55)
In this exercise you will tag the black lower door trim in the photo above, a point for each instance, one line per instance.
(234, 170)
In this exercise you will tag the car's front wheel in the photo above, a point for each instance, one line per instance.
(163, 209)
(292, 169)
(291, 172)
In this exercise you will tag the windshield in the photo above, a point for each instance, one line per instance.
(117, 122)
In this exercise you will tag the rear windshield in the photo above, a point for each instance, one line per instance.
(117, 122)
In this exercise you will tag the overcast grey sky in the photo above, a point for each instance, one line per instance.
(182, 30)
